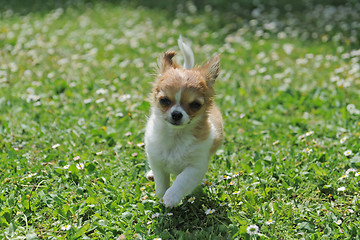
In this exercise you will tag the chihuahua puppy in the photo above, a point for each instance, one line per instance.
(185, 127)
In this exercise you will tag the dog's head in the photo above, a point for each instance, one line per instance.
(182, 95)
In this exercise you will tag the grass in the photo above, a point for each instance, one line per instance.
(74, 84)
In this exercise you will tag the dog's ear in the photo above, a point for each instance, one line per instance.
(211, 70)
(166, 62)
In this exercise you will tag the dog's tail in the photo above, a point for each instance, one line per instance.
(189, 59)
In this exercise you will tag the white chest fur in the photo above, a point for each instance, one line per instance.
(174, 149)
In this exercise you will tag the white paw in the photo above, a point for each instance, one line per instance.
(150, 175)
(171, 199)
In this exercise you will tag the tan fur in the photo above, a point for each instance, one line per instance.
(203, 128)
(216, 119)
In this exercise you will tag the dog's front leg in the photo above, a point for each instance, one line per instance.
(183, 185)
(162, 182)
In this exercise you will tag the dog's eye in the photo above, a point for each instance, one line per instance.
(165, 101)
(195, 105)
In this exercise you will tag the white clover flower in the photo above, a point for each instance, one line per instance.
(155, 215)
(339, 70)
(309, 133)
(100, 100)
(102, 91)
(55, 146)
(302, 136)
(267, 77)
(109, 47)
(124, 97)
(140, 144)
(127, 134)
(339, 222)
(51, 75)
(343, 140)
(269, 222)
(352, 109)
(208, 183)
(308, 150)
(31, 175)
(276, 142)
(209, 211)
(66, 227)
(347, 152)
(87, 101)
(27, 73)
(343, 176)
(225, 177)
(350, 170)
(288, 48)
(13, 67)
(231, 183)
(191, 200)
(252, 230)
(80, 166)
(252, 72)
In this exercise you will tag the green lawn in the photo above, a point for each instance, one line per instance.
(74, 85)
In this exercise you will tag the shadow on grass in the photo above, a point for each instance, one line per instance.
(190, 221)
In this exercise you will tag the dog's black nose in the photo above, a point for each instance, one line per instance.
(176, 115)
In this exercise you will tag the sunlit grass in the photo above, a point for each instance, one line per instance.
(74, 87)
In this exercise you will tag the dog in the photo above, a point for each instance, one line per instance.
(185, 126)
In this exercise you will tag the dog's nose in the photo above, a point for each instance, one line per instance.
(176, 115)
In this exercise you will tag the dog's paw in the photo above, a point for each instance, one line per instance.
(171, 199)
(150, 175)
